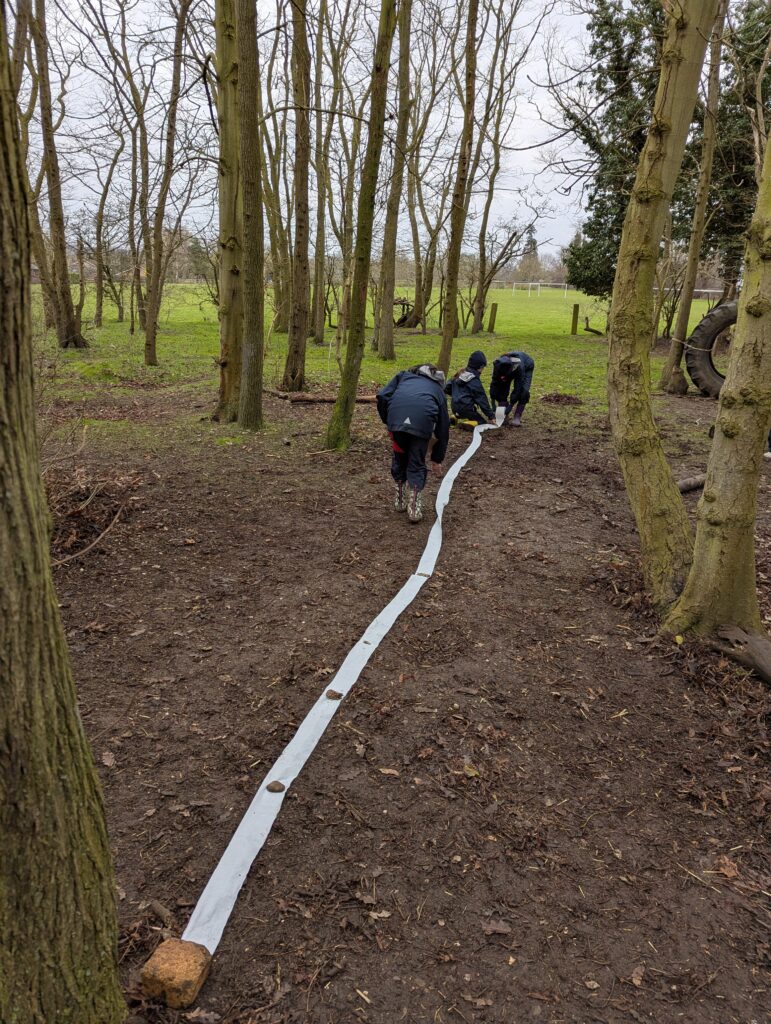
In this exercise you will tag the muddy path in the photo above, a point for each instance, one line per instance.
(528, 809)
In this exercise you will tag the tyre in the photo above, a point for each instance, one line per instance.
(698, 353)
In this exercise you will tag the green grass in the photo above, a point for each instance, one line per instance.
(188, 346)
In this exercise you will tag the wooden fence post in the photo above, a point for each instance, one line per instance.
(574, 326)
(493, 315)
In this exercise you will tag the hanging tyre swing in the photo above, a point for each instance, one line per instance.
(700, 347)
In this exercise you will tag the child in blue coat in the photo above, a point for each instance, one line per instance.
(413, 407)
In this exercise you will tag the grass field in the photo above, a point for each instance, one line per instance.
(188, 346)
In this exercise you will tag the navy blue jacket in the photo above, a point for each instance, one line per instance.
(415, 404)
(508, 376)
(467, 393)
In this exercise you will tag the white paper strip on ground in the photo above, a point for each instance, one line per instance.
(216, 904)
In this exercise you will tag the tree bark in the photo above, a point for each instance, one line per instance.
(458, 211)
(156, 264)
(253, 258)
(339, 430)
(721, 587)
(677, 347)
(385, 328)
(294, 371)
(57, 905)
(99, 234)
(231, 310)
(67, 329)
(662, 522)
(321, 155)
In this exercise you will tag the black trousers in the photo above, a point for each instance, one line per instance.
(409, 459)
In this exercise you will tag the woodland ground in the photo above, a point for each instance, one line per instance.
(570, 827)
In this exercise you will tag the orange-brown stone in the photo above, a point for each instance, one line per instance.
(175, 972)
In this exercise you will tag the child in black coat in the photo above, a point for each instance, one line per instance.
(512, 372)
(468, 398)
(413, 407)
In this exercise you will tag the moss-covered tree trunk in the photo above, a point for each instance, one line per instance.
(294, 370)
(253, 258)
(339, 430)
(721, 588)
(458, 210)
(58, 934)
(677, 347)
(385, 328)
(231, 310)
(662, 523)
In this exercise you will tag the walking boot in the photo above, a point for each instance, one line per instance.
(401, 497)
(516, 420)
(415, 505)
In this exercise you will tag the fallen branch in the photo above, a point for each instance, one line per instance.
(310, 398)
(691, 483)
(751, 650)
(93, 543)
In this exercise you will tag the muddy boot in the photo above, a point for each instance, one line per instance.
(401, 497)
(415, 505)
(516, 420)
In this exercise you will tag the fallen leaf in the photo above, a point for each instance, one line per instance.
(592, 985)
(496, 928)
(203, 1016)
(388, 771)
(377, 914)
(637, 976)
(727, 867)
(471, 771)
(108, 759)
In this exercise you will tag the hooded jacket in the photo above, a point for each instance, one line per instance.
(413, 402)
(467, 393)
(514, 371)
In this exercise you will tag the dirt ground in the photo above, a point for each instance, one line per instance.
(528, 809)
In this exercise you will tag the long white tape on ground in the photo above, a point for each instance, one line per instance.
(218, 898)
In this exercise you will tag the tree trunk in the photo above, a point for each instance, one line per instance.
(339, 430)
(156, 265)
(662, 522)
(57, 903)
(458, 212)
(253, 258)
(322, 151)
(66, 326)
(677, 347)
(721, 588)
(81, 258)
(99, 236)
(230, 217)
(385, 328)
(294, 371)
(416, 315)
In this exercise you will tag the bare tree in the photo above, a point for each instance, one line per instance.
(383, 339)
(339, 430)
(458, 210)
(67, 328)
(250, 398)
(294, 371)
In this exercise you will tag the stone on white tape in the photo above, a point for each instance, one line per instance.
(216, 903)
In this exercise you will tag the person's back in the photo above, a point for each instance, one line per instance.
(413, 407)
(414, 404)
